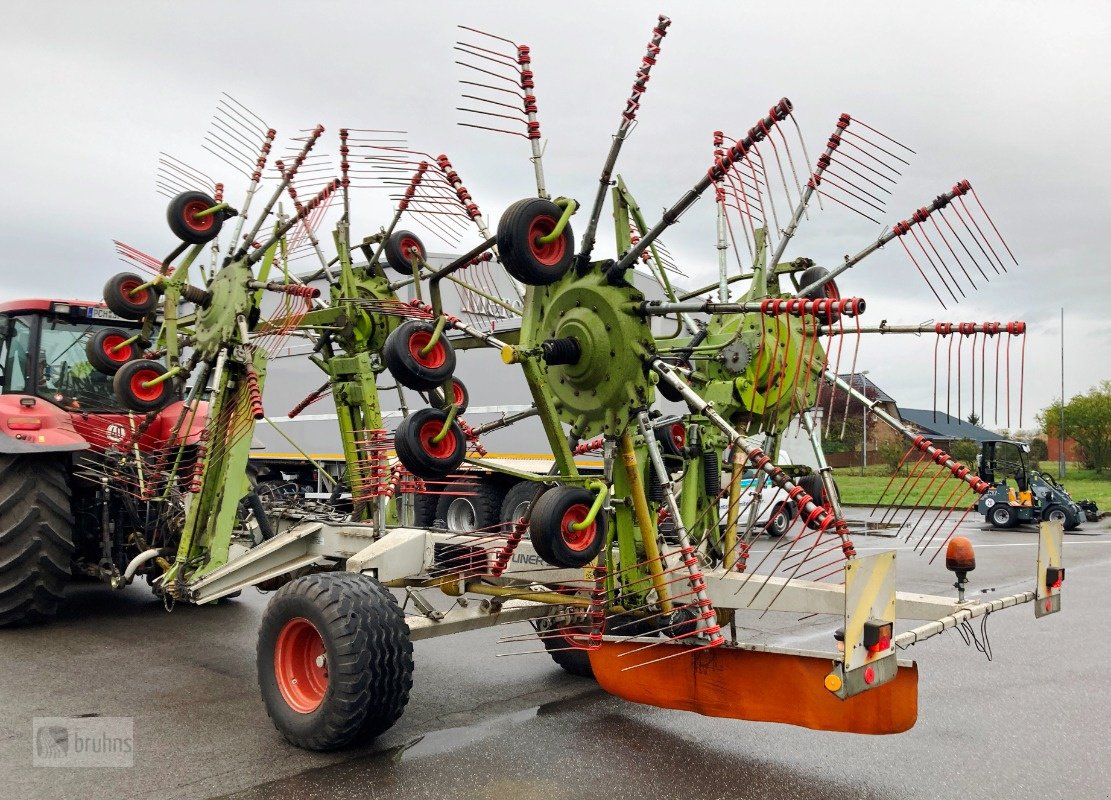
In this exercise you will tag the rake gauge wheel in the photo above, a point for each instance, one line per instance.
(551, 527)
(522, 253)
(421, 455)
(182, 219)
(460, 396)
(397, 250)
(124, 298)
(102, 353)
(827, 291)
(129, 381)
(412, 367)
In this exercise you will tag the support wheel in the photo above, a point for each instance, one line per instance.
(397, 250)
(102, 353)
(335, 663)
(420, 454)
(555, 540)
(522, 254)
(36, 537)
(131, 391)
(1002, 515)
(564, 642)
(182, 219)
(124, 298)
(413, 368)
(827, 291)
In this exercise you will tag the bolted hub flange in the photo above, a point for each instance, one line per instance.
(596, 391)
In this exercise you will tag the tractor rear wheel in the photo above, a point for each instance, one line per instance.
(36, 537)
(335, 662)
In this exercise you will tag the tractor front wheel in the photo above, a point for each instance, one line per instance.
(36, 537)
(1058, 513)
(335, 662)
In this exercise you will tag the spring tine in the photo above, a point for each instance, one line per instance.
(949, 225)
(983, 237)
(902, 241)
(851, 132)
(941, 234)
(992, 223)
(948, 288)
(974, 239)
(925, 235)
(861, 175)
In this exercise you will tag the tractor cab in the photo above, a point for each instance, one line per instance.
(45, 353)
(1020, 494)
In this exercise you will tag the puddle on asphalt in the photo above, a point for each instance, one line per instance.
(868, 528)
(444, 741)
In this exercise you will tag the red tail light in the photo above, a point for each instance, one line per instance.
(25, 423)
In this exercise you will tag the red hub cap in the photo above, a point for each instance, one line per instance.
(549, 254)
(679, 435)
(300, 665)
(434, 358)
(109, 345)
(147, 393)
(458, 393)
(442, 449)
(194, 207)
(127, 289)
(577, 540)
(408, 244)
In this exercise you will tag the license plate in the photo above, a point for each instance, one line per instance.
(95, 312)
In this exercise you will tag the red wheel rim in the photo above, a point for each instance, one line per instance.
(145, 393)
(434, 358)
(442, 449)
(549, 254)
(109, 344)
(458, 393)
(300, 668)
(577, 540)
(408, 243)
(130, 285)
(201, 225)
(679, 435)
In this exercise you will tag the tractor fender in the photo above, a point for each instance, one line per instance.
(32, 425)
(190, 432)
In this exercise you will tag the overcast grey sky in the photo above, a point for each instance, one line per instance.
(1013, 96)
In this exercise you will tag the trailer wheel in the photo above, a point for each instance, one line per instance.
(334, 660)
(1058, 513)
(101, 352)
(1002, 515)
(827, 291)
(420, 371)
(181, 217)
(564, 644)
(459, 395)
(130, 390)
(518, 500)
(397, 249)
(551, 532)
(36, 537)
(522, 254)
(781, 519)
(124, 298)
(422, 456)
(472, 507)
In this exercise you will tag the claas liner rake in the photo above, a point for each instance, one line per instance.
(637, 572)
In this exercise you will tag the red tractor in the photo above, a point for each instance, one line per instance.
(79, 493)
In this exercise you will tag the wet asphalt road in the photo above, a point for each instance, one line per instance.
(1032, 723)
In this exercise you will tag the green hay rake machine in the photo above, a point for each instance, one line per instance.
(629, 572)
